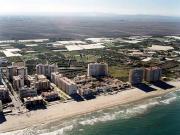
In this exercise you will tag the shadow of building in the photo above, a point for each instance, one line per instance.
(77, 97)
(89, 96)
(36, 107)
(2, 118)
(144, 87)
(163, 85)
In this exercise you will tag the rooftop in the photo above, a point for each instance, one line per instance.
(160, 48)
(84, 47)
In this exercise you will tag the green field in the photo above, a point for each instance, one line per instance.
(119, 73)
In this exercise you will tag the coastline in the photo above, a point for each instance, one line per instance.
(62, 111)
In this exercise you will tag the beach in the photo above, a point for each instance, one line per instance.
(58, 112)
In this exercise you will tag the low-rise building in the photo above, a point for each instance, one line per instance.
(50, 96)
(25, 92)
(136, 76)
(33, 101)
(137, 54)
(84, 92)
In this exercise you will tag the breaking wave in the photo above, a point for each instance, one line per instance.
(101, 116)
(32, 131)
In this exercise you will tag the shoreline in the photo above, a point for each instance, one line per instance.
(59, 112)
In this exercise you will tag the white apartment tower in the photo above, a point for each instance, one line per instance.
(46, 69)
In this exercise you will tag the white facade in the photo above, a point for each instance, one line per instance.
(46, 69)
(64, 83)
(71, 88)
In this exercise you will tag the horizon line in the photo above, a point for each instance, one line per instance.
(88, 14)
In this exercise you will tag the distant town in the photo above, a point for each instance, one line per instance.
(39, 73)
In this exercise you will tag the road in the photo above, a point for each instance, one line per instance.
(18, 105)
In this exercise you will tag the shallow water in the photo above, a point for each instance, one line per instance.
(156, 116)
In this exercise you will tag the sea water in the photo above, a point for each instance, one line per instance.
(156, 116)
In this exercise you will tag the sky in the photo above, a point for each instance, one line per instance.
(122, 7)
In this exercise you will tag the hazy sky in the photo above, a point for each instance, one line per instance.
(153, 7)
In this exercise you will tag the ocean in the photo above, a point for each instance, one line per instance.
(156, 116)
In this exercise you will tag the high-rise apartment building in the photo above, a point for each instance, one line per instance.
(97, 69)
(46, 69)
(136, 76)
(18, 82)
(41, 83)
(152, 74)
(25, 92)
(15, 71)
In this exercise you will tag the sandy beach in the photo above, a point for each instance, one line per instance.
(65, 110)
